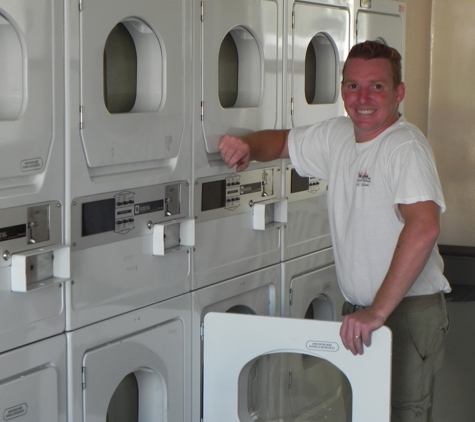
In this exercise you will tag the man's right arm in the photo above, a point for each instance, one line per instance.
(265, 145)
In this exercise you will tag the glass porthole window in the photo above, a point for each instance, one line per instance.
(321, 71)
(133, 69)
(12, 90)
(239, 70)
(123, 406)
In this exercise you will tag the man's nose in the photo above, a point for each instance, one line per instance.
(364, 95)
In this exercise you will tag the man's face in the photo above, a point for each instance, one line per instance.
(370, 98)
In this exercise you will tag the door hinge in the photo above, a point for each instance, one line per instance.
(290, 297)
(83, 376)
(80, 5)
(293, 20)
(202, 331)
(292, 105)
(202, 110)
(202, 11)
(290, 381)
(81, 117)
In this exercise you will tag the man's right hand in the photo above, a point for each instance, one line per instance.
(234, 152)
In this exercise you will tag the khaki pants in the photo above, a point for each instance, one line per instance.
(419, 325)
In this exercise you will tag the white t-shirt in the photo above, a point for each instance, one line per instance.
(366, 182)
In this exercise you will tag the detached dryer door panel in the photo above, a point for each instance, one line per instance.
(136, 115)
(235, 390)
(320, 43)
(240, 62)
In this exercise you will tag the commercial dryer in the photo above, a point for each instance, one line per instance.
(238, 89)
(128, 156)
(233, 344)
(310, 290)
(134, 367)
(256, 293)
(31, 172)
(317, 41)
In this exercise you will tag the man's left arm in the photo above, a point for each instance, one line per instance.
(416, 241)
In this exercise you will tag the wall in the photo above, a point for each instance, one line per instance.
(452, 114)
(417, 64)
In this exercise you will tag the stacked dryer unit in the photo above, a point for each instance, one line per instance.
(35, 261)
(318, 41)
(237, 90)
(128, 171)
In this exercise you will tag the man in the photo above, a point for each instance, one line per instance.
(384, 201)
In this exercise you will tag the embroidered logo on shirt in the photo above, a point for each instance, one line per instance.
(363, 179)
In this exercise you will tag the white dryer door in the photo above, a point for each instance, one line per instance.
(387, 27)
(233, 343)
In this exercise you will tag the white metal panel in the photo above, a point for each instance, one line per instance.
(255, 25)
(308, 226)
(151, 143)
(254, 293)
(228, 247)
(137, 136)
(31, 236)
(310, 282)
(237, 51)
(324, 28)
(132, 278)
(31, 102)
(153, 343)
(383, 20)
(33, 382)
(229, 240)
(231, 342)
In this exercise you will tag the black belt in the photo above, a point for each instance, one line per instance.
(349, 308)
(408, 304)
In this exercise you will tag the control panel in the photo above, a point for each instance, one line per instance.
(30, 242)
(298, 187)
(29, 227)
(225, 195)
(111, 217)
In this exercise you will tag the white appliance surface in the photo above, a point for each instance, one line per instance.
(128, 156)
(233, 342)
(31, 102)
(308, 227)
(33, 382)
(31, 172)
(139, 362)
(310, 287)
(251, 53)
(256, 293)
(318, 43)
(384, 21)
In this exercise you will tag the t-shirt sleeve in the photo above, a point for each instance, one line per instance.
(414, 175)
(308, 150)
